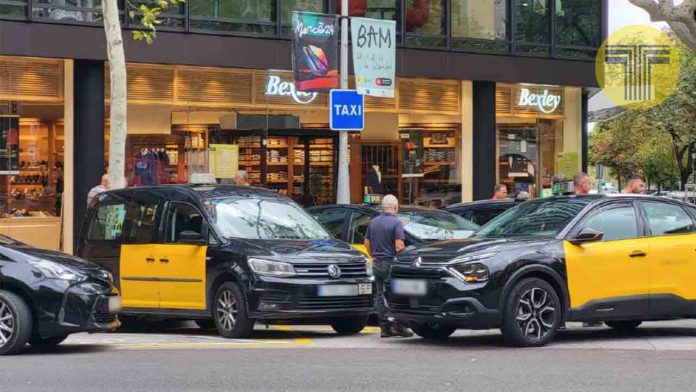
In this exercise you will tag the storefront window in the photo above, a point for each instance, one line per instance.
(13, 10)
(426, 23)
(532, 26)
(31, 150)
(172, 18)
(578, 27)
(430, 167)
(479, 25)
(288, 6)
(254, 17)
(531, 135)
(69, 11)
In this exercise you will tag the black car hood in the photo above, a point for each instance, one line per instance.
(444, 251)
(67, 260)
(294, 250)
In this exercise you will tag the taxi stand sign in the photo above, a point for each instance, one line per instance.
(347, 110)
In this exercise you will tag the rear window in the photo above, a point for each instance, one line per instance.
(127, 223)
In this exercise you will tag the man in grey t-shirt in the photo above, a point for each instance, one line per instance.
(384, 239)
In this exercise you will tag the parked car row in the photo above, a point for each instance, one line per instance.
(228, 256)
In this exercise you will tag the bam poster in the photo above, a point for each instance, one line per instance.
(9, 145)
(374, 56)
(315, 51)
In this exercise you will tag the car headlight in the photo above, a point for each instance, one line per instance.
(368, 266)
(52, 270)
(271, 268)
(467, 259)
(471, 272)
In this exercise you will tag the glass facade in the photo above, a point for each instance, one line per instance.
(558, 28)
(32, 149)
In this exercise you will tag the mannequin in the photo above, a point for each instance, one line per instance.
(373, 179)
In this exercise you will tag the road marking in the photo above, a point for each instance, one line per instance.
(302, 341)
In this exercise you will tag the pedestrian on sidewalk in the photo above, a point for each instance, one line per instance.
(242, 178)
(500, 192)
(635, 184)
(102, 187)
(582, 184)
(384, 239)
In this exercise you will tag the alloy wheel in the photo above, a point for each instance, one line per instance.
(227, 310)
(536, 313)
(7, 323)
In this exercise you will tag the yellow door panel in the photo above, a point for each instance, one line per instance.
(673, 261)
(601, 270)
(361, 248)
(139, 270)
(182, 276)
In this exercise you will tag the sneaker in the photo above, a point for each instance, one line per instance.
(401, 330)
(386, 331)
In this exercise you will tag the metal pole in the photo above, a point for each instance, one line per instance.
(343, 196)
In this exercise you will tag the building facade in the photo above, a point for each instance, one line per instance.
(487, 91)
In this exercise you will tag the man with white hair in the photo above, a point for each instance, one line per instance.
(242, 178)
(384, 239)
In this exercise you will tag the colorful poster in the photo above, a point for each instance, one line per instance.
(9, 145)
(315, 51)
(224, 160)
(374, 56)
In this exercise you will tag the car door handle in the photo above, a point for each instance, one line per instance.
(637, 253)
(164, 260)
(150, 259)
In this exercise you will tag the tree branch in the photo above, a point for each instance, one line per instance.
(681, 18)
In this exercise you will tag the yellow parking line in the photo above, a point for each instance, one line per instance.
(176, 346)
(300, 341)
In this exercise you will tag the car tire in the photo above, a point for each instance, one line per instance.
(624, 326)
(349, 325)
(532, 314)
(230, 312)
(205, 324)
(39, 342)
(16, 323)
(432, 331)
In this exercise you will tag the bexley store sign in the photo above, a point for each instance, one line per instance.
(277, 87)
(539, 99)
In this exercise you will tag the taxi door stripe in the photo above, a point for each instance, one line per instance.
(148, 279)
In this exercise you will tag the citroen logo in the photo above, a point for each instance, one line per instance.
(334, 271)
(418, 262)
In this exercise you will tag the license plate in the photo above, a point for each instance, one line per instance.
(344, 290)
(114, 304)
(409, 287)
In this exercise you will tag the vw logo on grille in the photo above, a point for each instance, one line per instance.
(334, 271)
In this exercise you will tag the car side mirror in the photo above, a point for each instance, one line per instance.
(587, 235)
(191, 237)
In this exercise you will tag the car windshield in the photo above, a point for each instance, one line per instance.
(545, 218)
(264, 218)
(436, 225)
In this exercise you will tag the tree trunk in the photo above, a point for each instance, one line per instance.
(119, 103)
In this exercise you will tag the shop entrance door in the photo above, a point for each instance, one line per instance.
(518, 158)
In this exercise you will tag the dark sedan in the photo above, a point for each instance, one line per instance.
(619, 260)
(482, 211)
(348, 222)
(47, 295)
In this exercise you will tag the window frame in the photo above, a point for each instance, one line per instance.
(91, 218)
(344, 226)
(165, 221)
(353, 217)
(640, 219)
(648, 229)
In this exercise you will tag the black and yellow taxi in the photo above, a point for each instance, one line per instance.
(225, 256)
(348, 222)
(620, 260)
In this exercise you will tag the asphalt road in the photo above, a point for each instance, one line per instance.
(661, 357)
